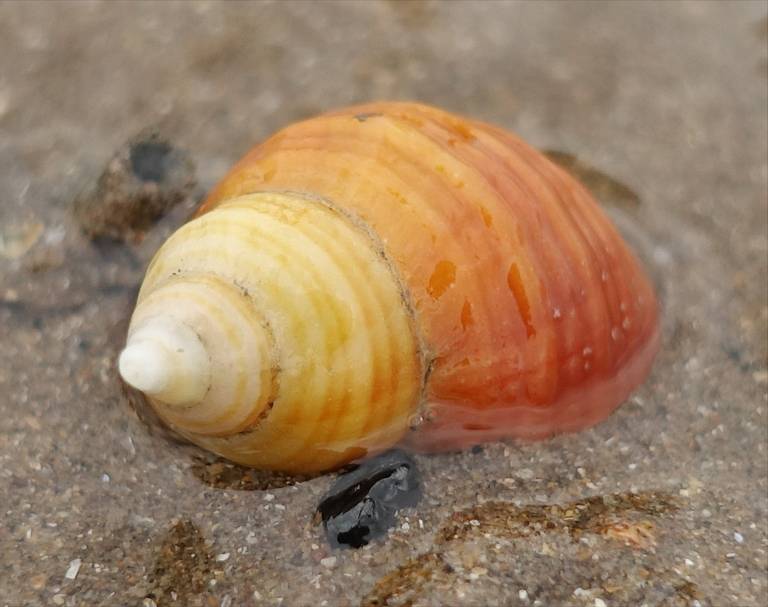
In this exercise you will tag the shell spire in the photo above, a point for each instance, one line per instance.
(166, 360)
(180, 354)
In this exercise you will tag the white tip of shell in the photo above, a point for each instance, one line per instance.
(146, 367)
(165, 359)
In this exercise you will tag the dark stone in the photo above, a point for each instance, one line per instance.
(362, 503)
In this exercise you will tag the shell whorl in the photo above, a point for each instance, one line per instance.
(309, 340)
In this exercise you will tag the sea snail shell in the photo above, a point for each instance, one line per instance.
(382, 274)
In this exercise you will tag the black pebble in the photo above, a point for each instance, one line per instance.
(361, 504)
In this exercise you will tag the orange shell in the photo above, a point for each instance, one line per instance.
(537, 317)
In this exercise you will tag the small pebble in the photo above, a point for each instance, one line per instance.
(222, 557)
(600, 602)
(738, 537)
(523, 595)
(328, 561)
(16, 240)
(58, 599)
(74, 568)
